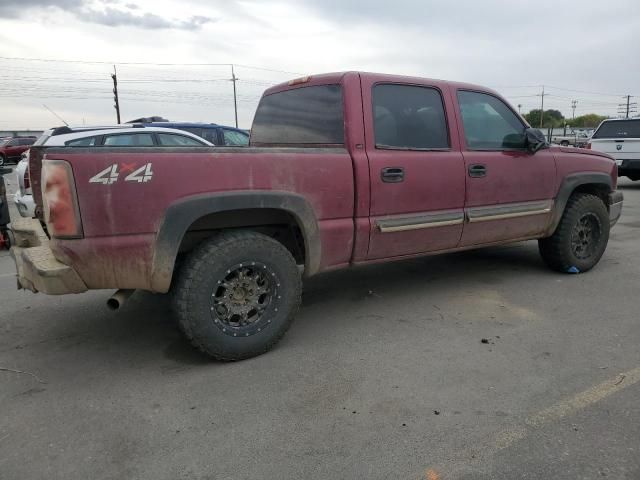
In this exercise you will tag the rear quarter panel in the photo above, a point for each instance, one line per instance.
(120, 220)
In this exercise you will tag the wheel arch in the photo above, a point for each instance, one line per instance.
(184, 213)
(595, 183)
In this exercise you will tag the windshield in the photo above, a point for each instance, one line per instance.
(619, 129)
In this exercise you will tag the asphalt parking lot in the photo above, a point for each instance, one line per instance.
(384, 375)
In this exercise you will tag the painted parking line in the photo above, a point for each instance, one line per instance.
(507, 437)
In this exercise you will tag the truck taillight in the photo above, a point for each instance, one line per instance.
(588, 147)
(27, 179)
(60, 202)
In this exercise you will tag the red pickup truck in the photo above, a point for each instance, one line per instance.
(343, 169)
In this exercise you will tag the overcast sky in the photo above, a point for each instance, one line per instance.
(583, 50)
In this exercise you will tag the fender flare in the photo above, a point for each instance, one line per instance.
(568, 186)
(181, 215)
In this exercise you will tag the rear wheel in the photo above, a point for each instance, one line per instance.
(581, 236)
(564, 143)
(236, 295)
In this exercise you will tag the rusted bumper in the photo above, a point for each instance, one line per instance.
(37, 268)
(615, 206)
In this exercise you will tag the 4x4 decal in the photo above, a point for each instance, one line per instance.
(111, 174)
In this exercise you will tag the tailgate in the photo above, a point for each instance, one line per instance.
(627, 149)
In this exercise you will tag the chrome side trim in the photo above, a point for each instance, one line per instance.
(418, 222)
(514, 210)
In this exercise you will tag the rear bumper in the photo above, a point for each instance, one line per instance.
(25, 205)
(615, 206)
(629, 167)
(37, 268)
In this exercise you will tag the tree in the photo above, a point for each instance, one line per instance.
(590, 120)
(552, 118)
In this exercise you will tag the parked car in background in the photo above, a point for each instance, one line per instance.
(120, 136)
(620, 138)
(115, 136)
(216, 134)
(12, 148)
(575, 139)
(23, 197)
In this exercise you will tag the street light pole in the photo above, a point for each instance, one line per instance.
(114, 77)
(542, 106)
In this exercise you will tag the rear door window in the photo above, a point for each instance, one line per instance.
(175, 140)
(235, 138)
(619, 129)
(409, 117)
(82, 142)
(129, 140)
(195, 130)
(211, 135)
(302, 116)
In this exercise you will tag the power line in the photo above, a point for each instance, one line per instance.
(629, 107)
(99, 62)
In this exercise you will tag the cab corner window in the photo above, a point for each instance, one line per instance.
(489, 124)
(409, 117)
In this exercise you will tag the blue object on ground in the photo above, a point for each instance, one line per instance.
(573, 270)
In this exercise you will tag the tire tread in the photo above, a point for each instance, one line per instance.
(209, 252)
(553, 248)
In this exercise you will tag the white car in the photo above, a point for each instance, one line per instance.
(124, 135)
(23, 197)
(115, 136)
(620, 138)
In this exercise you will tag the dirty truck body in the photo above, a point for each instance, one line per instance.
(343, 169)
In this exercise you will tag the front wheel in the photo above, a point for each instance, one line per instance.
(236, 295)
(2, 160)
(581, 236)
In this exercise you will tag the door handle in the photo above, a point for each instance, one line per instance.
(477, 170)
(392, 174)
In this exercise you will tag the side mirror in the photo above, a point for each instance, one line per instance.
(514, 140)
(534, 140)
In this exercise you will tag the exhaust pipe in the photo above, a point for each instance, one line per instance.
(117, 299)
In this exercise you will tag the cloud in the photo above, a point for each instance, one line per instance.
(104, 12)
(18, 8)
(113, 17)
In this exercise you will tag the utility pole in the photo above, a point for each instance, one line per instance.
(542, 106)
(628, 108)
(114, 77)
(574, 103)
(234, 79)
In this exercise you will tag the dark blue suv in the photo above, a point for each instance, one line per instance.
(216, 134)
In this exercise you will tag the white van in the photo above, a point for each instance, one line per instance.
(620, 138)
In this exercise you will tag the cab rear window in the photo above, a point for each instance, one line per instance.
(619, 129)
(302, 116)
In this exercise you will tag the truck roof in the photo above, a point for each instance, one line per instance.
(337, 77)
